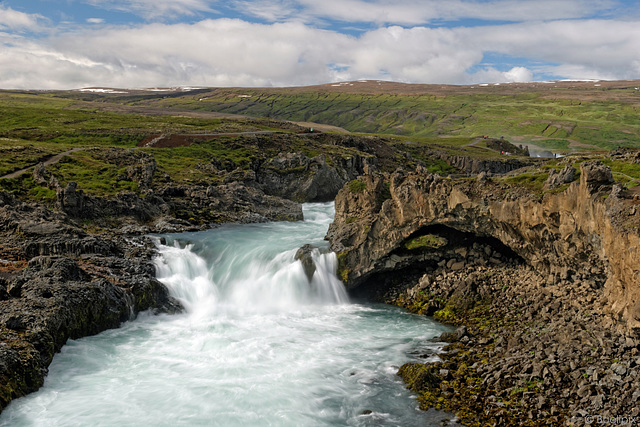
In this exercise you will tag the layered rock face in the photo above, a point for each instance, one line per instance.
(295, 176)
(58, 282)
(578, 234)
(545, 288)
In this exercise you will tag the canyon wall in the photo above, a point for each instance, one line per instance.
(588, 232)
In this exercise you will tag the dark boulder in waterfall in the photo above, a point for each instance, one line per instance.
(304, 256)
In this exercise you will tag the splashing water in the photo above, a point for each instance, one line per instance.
(259, 344)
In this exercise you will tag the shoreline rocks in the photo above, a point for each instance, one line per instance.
(525, 354)
(58, 282)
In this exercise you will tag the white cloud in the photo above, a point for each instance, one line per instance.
(597, 47)
(492, 75)
(95, 20)
(14, 20)
(228, 52)
(518, 74)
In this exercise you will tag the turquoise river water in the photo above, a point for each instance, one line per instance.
(258, 345)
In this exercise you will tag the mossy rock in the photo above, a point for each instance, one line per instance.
(357, 186)
(428, 241)
(419, 377)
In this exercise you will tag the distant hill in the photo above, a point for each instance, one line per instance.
(559, 115)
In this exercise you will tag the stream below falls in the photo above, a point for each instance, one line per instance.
(258, 345)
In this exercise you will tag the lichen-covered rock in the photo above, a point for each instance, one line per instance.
(556, 179)
(595, 174)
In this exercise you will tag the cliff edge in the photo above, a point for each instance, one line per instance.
(543, 285)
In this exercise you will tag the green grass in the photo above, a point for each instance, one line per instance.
(37, 125)
(627, 174)
(47, 117)
(357, 186)
(533, 181)
(25, 187)
(92, 174)
(553, 122)
(18, 154)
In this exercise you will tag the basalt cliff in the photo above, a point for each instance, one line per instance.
(579, 232)
(545, 287)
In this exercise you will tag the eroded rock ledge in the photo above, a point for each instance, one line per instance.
(562, 236)
(57, 282)
(547, 287)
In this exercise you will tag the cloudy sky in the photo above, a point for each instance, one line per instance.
(66, 44)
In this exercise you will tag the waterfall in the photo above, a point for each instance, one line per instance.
(241, 281)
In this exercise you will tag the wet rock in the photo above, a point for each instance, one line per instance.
(304, 256)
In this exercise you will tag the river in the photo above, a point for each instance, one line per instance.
(258, 345)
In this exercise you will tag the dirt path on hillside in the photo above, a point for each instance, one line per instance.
(50, 161)
(322, 127)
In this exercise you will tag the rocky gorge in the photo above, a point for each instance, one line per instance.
(84, 263)
(544, 285)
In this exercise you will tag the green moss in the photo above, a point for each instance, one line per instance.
(533, 181)
(357, 186)
(343, 271)
(42, 194)
(24, 187)
(428, 241)
(93, 175)
(447, 314)
(419, 377)
(385, 193)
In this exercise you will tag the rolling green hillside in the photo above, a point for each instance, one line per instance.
(561, 116)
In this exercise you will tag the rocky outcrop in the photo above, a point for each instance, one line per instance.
(556, 179)
(475, 165)
(194, 205)
(545, 287)
(142, 172)
(295, 176)
(57, 283)
(527, 354)
(576, 233)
